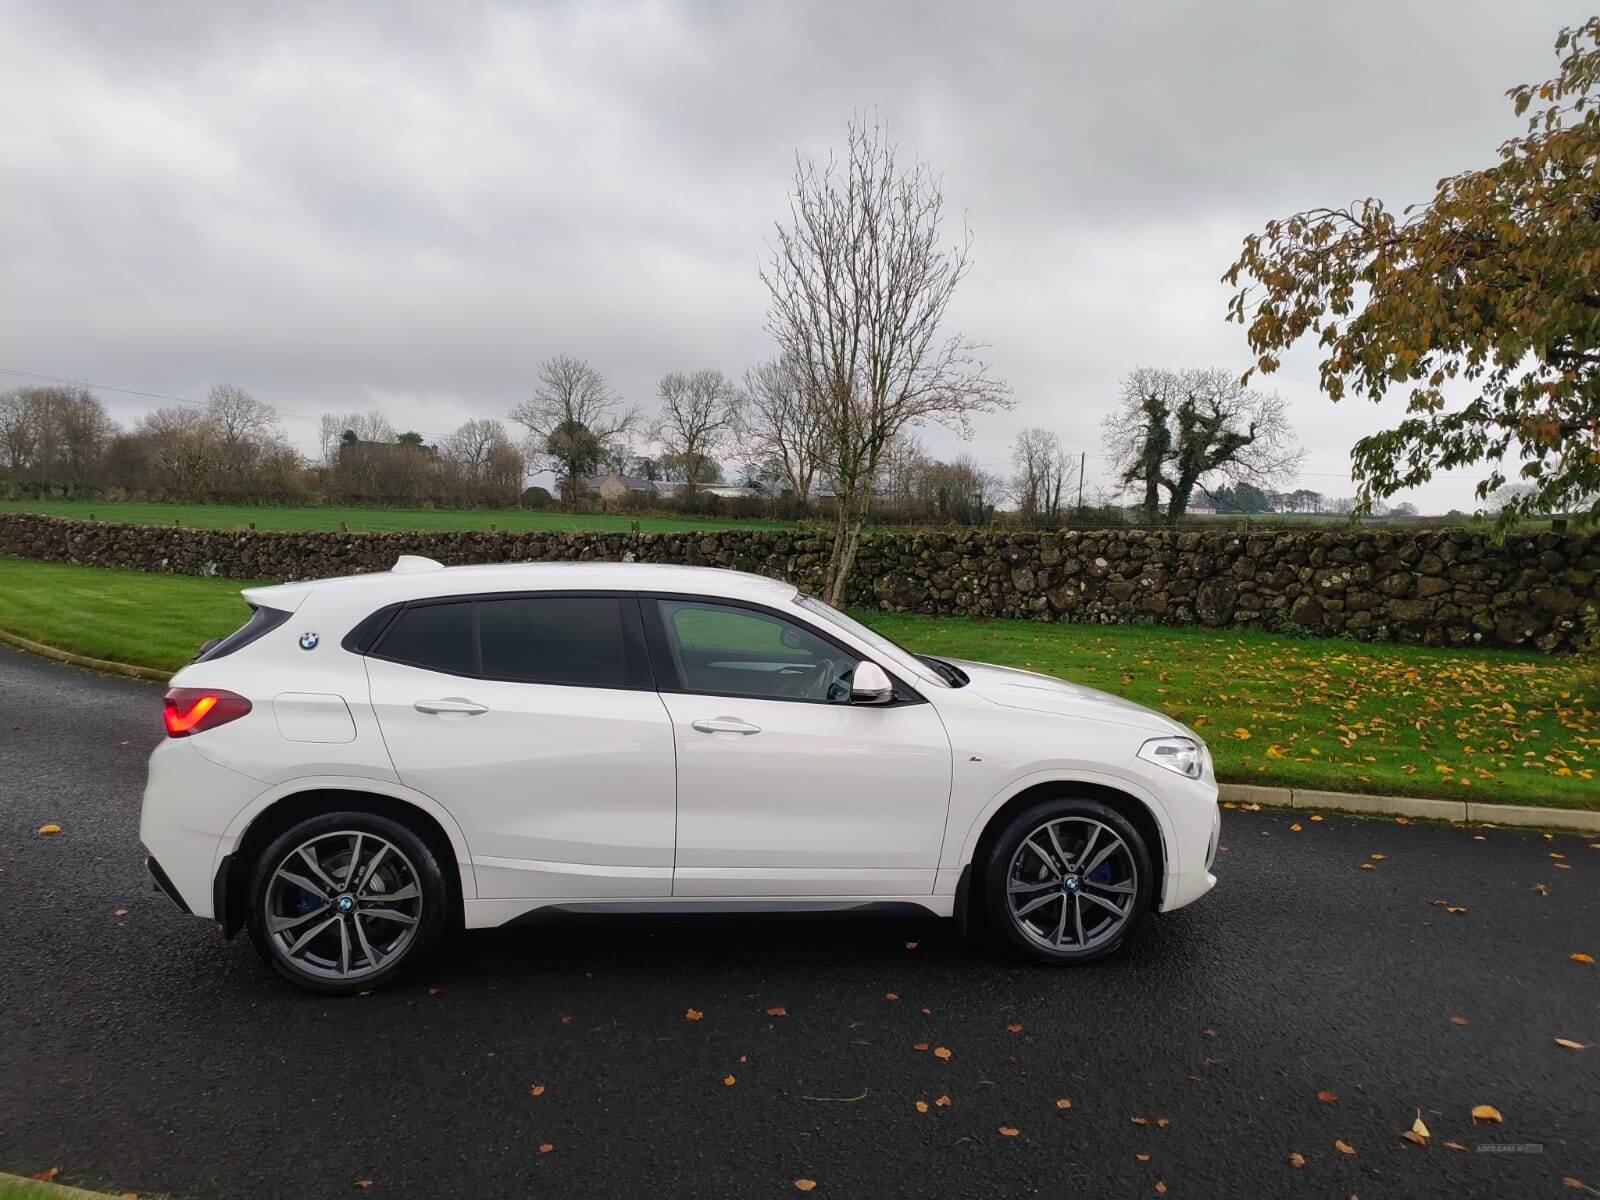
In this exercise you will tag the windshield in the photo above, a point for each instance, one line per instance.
(890, 650)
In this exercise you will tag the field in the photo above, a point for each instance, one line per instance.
(1487, 725)
(374, 520)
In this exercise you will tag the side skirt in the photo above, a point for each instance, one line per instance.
(482, 914)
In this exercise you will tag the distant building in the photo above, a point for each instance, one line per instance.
(612, 486)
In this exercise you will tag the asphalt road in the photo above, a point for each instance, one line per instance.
(144, 1053)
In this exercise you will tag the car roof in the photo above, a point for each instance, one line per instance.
(416, 579)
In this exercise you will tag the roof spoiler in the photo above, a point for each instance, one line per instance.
(408, 563)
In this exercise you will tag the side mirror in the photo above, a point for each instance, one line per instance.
(870, 685)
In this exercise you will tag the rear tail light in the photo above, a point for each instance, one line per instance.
(193, 710)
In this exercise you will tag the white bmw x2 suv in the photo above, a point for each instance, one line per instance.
(370, 761)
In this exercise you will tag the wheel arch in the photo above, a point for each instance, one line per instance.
(1125, 801)
(255, 828)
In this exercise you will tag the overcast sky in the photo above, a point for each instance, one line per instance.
(409, 206)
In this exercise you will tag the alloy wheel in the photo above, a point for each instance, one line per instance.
(1071, 884)
(343, 905)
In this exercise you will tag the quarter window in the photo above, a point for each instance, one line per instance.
(436, 637)
(723, 650)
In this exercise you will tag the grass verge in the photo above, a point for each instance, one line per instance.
(1492, 726)
(373, 520)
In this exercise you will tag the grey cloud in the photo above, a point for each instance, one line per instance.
(413, 204)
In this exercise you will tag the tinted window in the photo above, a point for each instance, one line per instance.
(435, 636)
(262, 621)
(728, 651)
(554, 639)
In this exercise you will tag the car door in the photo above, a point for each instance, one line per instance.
(785, 788)
(534, 720)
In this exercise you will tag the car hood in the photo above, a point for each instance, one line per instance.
(1045, 693)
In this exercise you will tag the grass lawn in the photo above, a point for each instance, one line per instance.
(375, 520)
(1319, 713)
(15, 1187)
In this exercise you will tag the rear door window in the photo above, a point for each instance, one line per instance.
(571, 640)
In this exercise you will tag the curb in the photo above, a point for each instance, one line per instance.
(83, 660)
(1460, 811)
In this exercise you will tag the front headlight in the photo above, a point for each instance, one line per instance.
(1184, 755)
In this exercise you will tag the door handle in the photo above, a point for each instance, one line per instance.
(725, 725)
(450, 705)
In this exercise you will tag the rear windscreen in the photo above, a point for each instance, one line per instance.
(262, 621)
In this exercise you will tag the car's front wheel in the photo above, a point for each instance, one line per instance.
(345, 901)
(1067, 880)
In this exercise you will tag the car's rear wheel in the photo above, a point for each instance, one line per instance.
(1067, 880)
(346, 901)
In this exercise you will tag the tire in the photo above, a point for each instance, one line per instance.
(1052, 899)
(333, 928)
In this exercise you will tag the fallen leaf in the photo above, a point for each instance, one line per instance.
(1411, 1135)
(942, 1102)
(536, 1090)
(729, 1081)
(804, 1185)
(1327, 1097)
(1541, 889)
(364, 1184)
(1161, 1188)
(1368, 867)
(777, 1012)
(1141, 1120)
(891, 995)
(1569, 1044)
(922, 1106)
(434, 991)
(911, 945)
(1063, 1103)
(120, 912)
(941, 1052)
(1163, 1122)
(1242, 734)
(1454, 908)
(1315, 817)
(1577, 1185)
(921, 1047)
(1343, 1147)
(1013, 1028)
(694, 1014)
(1295, 828)
(1401, 821)
(1487, 1112)
(545, 1148)
(1581, 958)
(1456, 1146)
(566, 1020)
(1142, 1157)
(1459, 1021)
(1296, 1159)
(49, 830)
(1009, 1131)
(1378, 857)
(47, 1176)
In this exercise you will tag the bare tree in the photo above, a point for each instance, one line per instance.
(860, 280)
(698, 414)
(1175, 430)
(369, 426)
(484, 462)
(182, 450)
(782, 427)
(573, 421)
(1043, 474)
(54, 436)
(247, 430)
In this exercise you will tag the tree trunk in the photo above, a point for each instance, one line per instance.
(846, 541)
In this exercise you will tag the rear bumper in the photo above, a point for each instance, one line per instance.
(164, 885)
(188, 803)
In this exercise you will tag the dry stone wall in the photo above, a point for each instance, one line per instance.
(1436, 586)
